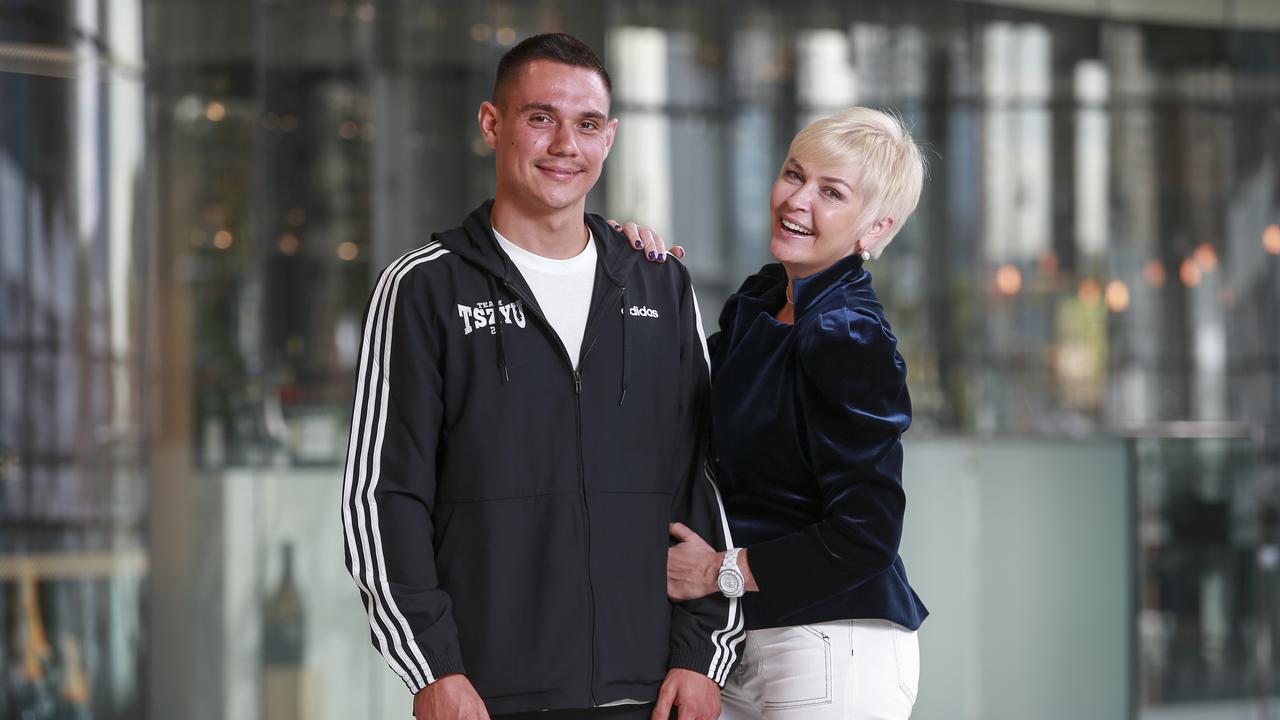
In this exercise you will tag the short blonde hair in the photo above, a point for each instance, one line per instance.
(890, 165)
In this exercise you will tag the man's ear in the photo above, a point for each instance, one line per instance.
(488, 119)
(610, 129)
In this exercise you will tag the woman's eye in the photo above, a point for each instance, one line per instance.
(832, 193)
(792, 175)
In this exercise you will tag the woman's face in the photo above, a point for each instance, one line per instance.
(816, 209)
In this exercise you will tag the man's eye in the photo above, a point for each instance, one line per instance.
(540, 119)
(588, 125)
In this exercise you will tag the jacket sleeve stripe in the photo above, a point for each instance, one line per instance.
(357, 553)
(702, 335)
(364, 544)
(726, 639)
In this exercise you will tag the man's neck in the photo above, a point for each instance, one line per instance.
(558, 234)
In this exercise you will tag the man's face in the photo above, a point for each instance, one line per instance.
(551, 133)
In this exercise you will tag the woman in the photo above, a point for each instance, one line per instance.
(809, 401)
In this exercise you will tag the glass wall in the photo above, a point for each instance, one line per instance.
(73, 403)
(195, 197)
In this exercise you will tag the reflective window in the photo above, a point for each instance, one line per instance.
(195, 198)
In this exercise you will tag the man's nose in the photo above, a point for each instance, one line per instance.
(564, 141)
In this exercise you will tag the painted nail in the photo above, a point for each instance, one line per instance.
(651, 255)
(639, 244)
(662, 257)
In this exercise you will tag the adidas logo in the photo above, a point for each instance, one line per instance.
(643, 312)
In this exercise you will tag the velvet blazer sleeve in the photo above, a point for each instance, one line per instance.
(853, 403)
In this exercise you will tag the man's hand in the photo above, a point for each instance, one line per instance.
(451, 697)
(697, 696)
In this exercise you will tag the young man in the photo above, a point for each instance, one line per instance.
(530, 416)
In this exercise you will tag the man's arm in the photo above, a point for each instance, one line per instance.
(389, 483)
(706, 632)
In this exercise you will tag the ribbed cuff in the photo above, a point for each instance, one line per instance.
(439, 664)
(690, 659)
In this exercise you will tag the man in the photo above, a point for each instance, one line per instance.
(529, 418)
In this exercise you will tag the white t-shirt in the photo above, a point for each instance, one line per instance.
(561, 287)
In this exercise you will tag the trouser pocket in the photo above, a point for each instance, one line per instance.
(906, 648)
(796, 667)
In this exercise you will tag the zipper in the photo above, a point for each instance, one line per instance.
(586, 516)
(592, 324)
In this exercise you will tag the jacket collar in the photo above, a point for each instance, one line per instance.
(476, 244)
(807, 292)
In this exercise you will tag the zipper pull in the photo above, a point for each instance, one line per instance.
(577, 382)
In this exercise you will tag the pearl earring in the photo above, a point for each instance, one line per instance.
(865, 255)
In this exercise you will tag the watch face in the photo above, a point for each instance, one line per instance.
(730, 583)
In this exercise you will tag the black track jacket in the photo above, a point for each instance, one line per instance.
(505, 515)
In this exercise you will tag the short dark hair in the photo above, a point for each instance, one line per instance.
(557, 47)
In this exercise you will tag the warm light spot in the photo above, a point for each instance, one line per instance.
(1008, 280)
(479, 147)
(270, 121)
(348, 250)
(480, 32)
(1271, 239)
(289, 122)
(366, 12)
(222, 239)
(1117, 296)
(1048, 263)
(1089, 291)
(1189, 272)
(1153, 273)
(289, 243)
(215, 111)
(348, 130)
(296, 216)
(506, 35)
(1206, 257)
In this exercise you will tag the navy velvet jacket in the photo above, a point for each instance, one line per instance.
(806, 429)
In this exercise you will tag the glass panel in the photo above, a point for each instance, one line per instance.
(195, 198)
(74, 565)
(1207, 602)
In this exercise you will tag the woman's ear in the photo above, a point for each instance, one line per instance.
(875, 235)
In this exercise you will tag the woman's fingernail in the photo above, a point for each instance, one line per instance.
(662, 257)
(639, 244)
(651, 255)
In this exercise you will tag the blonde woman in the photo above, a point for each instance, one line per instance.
(809, 402)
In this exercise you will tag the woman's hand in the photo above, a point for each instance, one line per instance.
(646, 240)
(692, 566)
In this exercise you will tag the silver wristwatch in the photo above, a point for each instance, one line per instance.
(730, 580)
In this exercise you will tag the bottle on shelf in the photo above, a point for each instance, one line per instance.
(286, 684)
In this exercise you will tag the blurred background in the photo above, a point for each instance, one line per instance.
(195, 196)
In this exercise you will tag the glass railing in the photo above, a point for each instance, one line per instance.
(1207, 584)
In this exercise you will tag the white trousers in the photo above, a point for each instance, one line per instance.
(842, 670)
